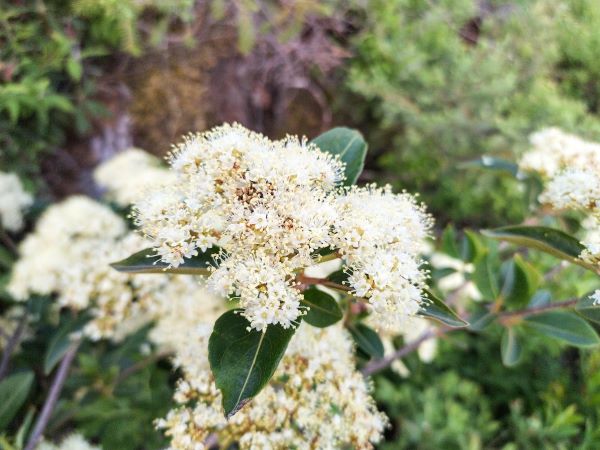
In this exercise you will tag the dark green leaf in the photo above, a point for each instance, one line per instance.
(339, 276)
(510, 348)
(13, 392)
(549, 240)
(351, 148)
(448, 244)
(367, 340)
(586, 307)
(59, 343)
(565, 326)
(520, 280)
(324, 310)
(146, 261)
(471, 247)
(243, 360)
(486, 276)
(435, 308)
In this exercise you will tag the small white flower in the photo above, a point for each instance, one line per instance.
(13, 200)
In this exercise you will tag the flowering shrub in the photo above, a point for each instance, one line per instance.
(276, 288)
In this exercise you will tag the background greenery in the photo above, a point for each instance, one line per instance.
(431, 84)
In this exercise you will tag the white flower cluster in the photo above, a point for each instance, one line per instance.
(72, 442)
(316, 399)
(128, 174)
(380, 235)
(68, 255)
(269, 206)
(553, 151)
(13, 200)
(571, 167)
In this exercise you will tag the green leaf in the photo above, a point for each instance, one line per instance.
(339, 276)
(146, 261)
(520, 282)
(74, 69)
(586, 308)
(480, 318)
(367, 340)
(242, 359)
(324, 310)
(549, 240)
(448, 242)
(13, 392)
(490, 162)
(486, 276)
(471, 247)
(24, 428)
(565, 326)
(60, 342)
(435, 308)
(510, 348)
(351, 147)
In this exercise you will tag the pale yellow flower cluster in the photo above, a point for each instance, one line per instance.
(269, 206)
(72, 442)
(571, 169)
(127, 175)
(315, 400)
(68, 256)
(13, 201)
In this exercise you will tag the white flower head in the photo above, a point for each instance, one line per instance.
(13, 201)
(69, 255)
(127, 175)
(269, 206)
(316, 399)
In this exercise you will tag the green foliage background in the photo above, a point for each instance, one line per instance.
(437, 83)
(431, 84)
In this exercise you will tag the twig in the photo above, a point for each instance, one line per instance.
(11, 344)
(10, 244)
(55, 390)
(509, 315)
(303, 279)
(380, 364)
(503, 318)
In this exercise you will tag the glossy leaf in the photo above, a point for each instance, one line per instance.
(586, 308)
(146, 261)
(351, 147)
(565, 326)
(324, 310)
(243, 360)
(367, 340)
(520, 281)
(13, 392)
(549, 240)
(59, 343)
(435, 308)
(448, 242)
(510, 348)
(339, 276)
(471, 247)
(486, 276)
